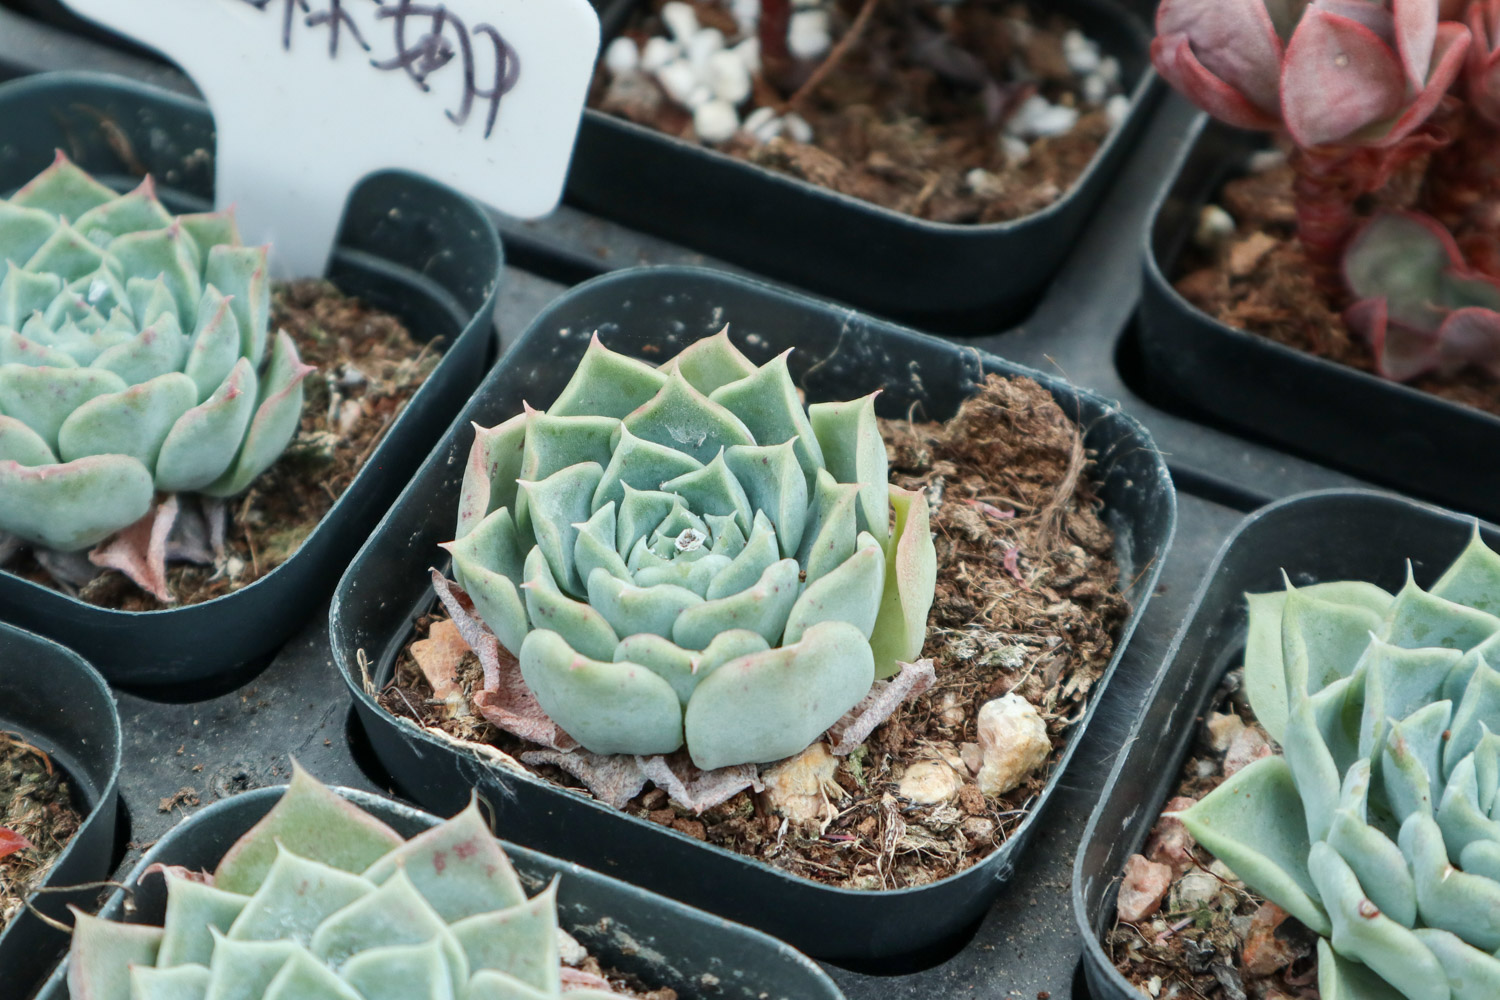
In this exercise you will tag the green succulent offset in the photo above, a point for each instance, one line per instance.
(685, 554)
(1379, 824)
(134, 358)
(321, 901)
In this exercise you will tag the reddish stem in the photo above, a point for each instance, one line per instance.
(1463, 190)
(774, 25)
(1327, 183)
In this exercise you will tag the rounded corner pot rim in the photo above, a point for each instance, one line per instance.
(1165, 499)
(1157, 281)
(43, 83)
(1096, 962)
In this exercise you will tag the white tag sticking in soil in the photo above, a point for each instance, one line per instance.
(310, 96)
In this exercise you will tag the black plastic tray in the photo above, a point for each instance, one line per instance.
(941, 276)
(1316, 537)
(59, 704)
(1390, 433)
(654, 313)
(665, 943)
(406, 245)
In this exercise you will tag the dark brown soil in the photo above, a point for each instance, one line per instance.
(37, 803)
(1028, 601)
(893, 125)
(1214, 938)
(1258, 280)
(372, 365)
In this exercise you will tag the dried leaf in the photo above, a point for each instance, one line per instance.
(11, 842)
(577, 979)
(438, 656)
(140, 551)
(990, 510)
(614, 779)
(696, 789)
(178, 871)
(877, 706)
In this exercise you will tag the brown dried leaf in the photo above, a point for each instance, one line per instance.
(696, 789)
(438, 656)
(614, 779)
(140, 551)
(877, 706)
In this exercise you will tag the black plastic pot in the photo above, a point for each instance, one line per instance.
(1383, 431)
(1314, 537)
(840, 354)
(665, 943)
(60, 705)
(407, 245)
(940, 276)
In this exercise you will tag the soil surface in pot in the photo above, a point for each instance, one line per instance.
(36, 803)
(1186, 927)
(912, 114)
(1257, 279)
(368, 366)
(1028, 601)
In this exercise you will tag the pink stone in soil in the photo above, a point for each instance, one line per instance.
(1144, 887)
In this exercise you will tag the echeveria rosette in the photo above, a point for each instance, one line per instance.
(685, 555)
(1379, 825)
(134, 359)
(1417, 302)
(321, 901)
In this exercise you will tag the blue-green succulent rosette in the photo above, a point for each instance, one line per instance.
(1378, 826)
(135, 359)
(684, 555)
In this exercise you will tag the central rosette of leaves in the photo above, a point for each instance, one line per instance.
(684, 554)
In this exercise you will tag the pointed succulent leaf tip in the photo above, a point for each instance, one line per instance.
(101, 953)
(710, 363)
(312, 821)
(195, 910)
(492, 470)
(458, 867)
(63, 189)
(607, 384)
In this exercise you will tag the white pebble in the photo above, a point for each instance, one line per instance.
(680, 18)
(1094, 89)
(749, 53)
(1012, 742)
(808, 37)
(715, 121)
(981, 182)
(1214, 224)
(622, 56)
(1081, 53)
(1037, 117)
(658, 52)
(1016, 150)
(1116, 109)
(678, 80)
(728, 77)
(1109, 68)
(702, 46)
(746, 14)
(797, 128)
(701, 94)
(762, 124)
(1265, 159)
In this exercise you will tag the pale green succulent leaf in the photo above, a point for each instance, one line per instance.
(1377, 863)
(277, 415)
(74, 505)
(1313, 768)
(210, 229)
(1474, 577)
(631, 609)
(1448, 899)
(184, 982)
(1478, 712)
(215, 344)
(1321, 641)
(1472, 974)
(401, 972)
(765, 706)
(1337, 710)
(68, 254)
(1265, 673)
(689, 573)
(557, 505)
(554, 443)
(1341, 979)
(128, 213)
(1417, 618)
(666, 539)
(394, 914)
(728, 539)
(607, 384)
(1487, 651)
(910, 582)
(728, 645)
(1459, 815)
(710, 362)
(762, 608)
(303, 977)
(774, 485)
(1397, 682)
(584, 628)
(296, 896)
(150, 299)
(491, 985)
(24, 292)
(642, 464)
(1410, 760)
(849, 434)
(766, 402)
(63, 189)
(457, 866)
(680, 417)
(490, 475)
(607, 707)
(23, 231)
(167, 253)
(758, 555)
(203, 441)
(240, 274)
(194, 910)
(669, 661)
(313, 822)
(160, 349)
(134, 422)
(520, 940)
(830, 535)
(17, 349)
(21, 444)
(103, 951)
(713, 489)
(640, 512)
(43, 398)
(851, 592)
(1255, 822)
(494, 591)
(1482, 858)
(243, 970)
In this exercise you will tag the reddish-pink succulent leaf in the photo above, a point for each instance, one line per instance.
(1401, 353)
(1447, 62)
(1373, 14)
(1339, 78)
(1482, 66)
(1402, 258)
(1174, 60)
(1284, 16)
(1470, 336)
(11, 842)
(1463, 288)
(1416, 23)
(1234, 40)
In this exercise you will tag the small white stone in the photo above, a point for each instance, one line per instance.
(1012, 742)
(1214, 224)
(746, 14)
(800, 788)
(797, 128)
(622, 56)
(1194, 891)
(728, 77)
(1017, 151)
(762, 124)
(678, 80)
(749, 53)
(658, 52)
(982, 182)
(1116, 109)
(702, 46)
(569, 950)
(715, 121)
(1082, 54)
(680, 18)
(808, 36)
(1037, 117)
(700, 96)
(1265, 159)
(1094, 89)
(928, 782)
(1109, 68)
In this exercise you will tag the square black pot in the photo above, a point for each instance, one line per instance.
(407, 245)
(652, 313)
(1353, 420)
(666, 944)
(1314, 537)
(939, 276)
(60, 705)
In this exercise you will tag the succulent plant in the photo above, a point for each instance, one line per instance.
(134, 358)
(684, 554)
(1481, 75)
(1379, 825)
(1417, 302)
(321, 901)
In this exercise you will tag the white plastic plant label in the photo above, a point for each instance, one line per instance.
(310, 96)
